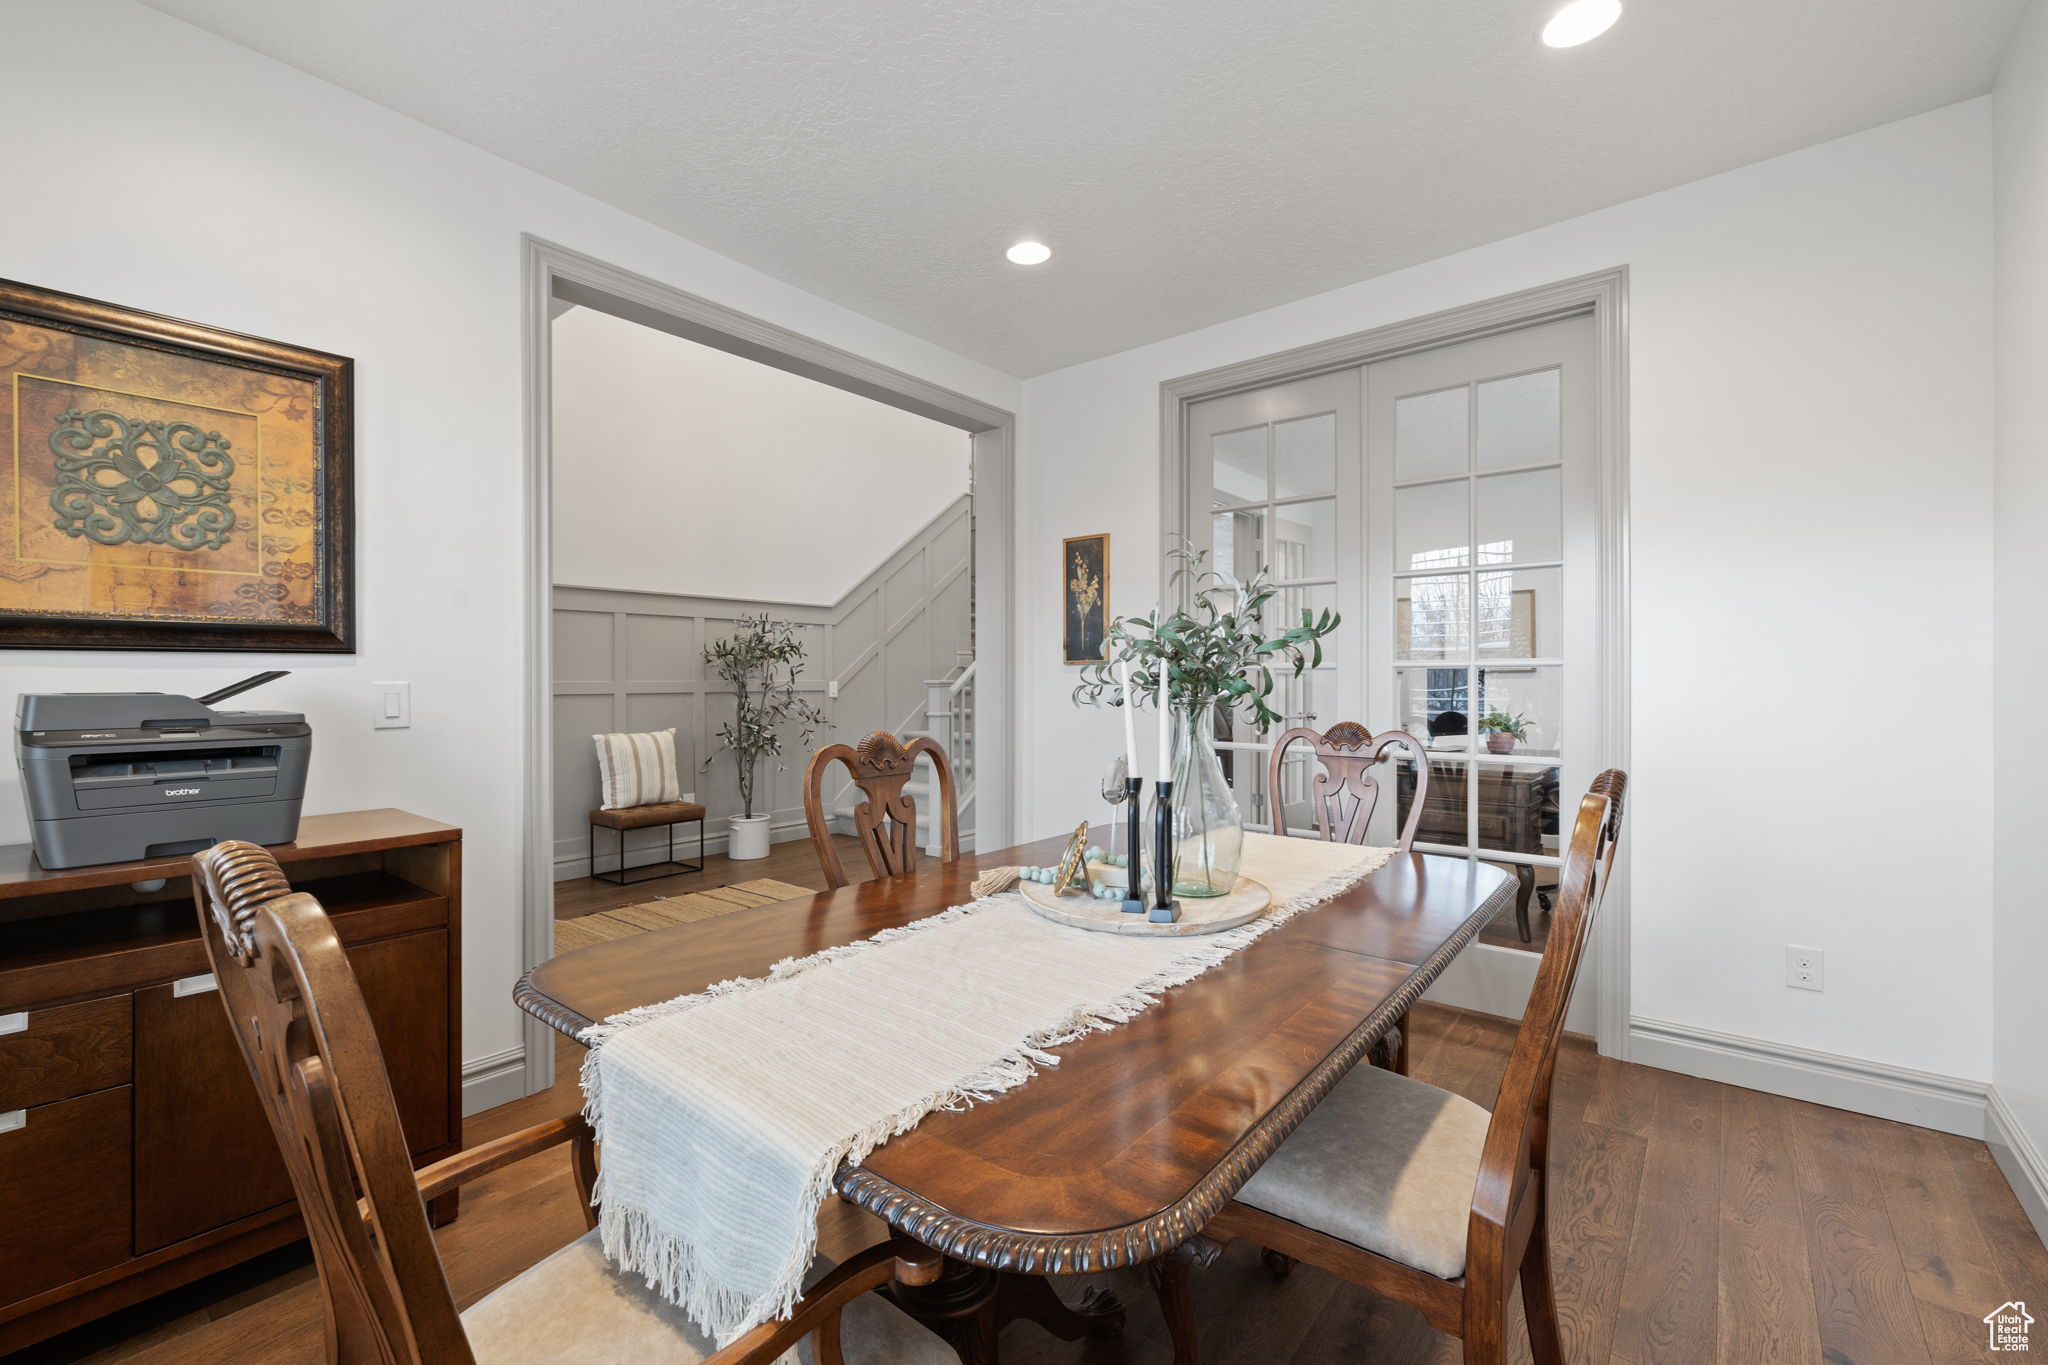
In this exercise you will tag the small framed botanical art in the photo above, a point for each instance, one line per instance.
(1084, 591)
(168, 485)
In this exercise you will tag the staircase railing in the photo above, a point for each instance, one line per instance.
(949, 719)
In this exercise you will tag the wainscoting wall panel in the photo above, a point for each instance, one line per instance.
(634, 661)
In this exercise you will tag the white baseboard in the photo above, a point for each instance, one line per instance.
(1949, 1104)
(2025, 1168)
(488, 1082)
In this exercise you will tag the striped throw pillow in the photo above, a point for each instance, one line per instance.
(638, 770)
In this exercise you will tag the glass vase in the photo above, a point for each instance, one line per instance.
(1208, 830)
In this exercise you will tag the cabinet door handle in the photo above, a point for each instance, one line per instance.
(13, 1119)
(194, 985)
(14, 1023)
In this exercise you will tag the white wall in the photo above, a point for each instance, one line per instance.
(1811, 466)
(2020, 918)
(263, 200)
(682, 469)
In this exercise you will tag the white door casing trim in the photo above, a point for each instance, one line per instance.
(1604, 296)
(550, 271)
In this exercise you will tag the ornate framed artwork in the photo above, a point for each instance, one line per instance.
(168, 485)
(1084, 592)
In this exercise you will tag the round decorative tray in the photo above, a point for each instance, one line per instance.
(1198, 915)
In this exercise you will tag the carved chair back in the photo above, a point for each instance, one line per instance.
(1517, 1140)
(885, 820)
(1348, 785)
(307, 1038)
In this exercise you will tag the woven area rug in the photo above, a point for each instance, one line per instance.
(665, 911)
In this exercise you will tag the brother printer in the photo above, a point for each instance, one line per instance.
(117, 776)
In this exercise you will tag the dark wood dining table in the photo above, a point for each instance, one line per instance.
(1120, 1153)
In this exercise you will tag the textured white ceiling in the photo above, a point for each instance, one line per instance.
(1187, 160)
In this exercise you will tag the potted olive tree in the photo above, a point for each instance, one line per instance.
(759, 662)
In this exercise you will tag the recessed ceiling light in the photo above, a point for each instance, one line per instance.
(1581, 22)
(1029, 253)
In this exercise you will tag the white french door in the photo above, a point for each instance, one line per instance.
(1481, 540)
(1445, 504)
(1280, 474)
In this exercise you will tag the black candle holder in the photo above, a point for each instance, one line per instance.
(1134, 846)
(1163, 909)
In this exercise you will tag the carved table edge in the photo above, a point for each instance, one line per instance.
(1136, 1243)
(546, 1009)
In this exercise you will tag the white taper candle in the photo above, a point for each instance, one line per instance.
(1165, 719)
(1123, 673)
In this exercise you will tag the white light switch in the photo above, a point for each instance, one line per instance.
(391, 705)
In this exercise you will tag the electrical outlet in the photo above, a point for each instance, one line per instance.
(1806, 969)
(690, 797)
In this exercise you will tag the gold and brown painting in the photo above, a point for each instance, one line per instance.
(1084, 592)
(168, 485)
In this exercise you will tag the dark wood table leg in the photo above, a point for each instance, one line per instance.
(1390, 1051)
(1031, 1297)
(969, 1305)
(1525, 890)
(1176, 1303)
(960, 1306)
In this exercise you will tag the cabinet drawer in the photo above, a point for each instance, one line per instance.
(204, 1152)
(54, 1054)
(64, 1198)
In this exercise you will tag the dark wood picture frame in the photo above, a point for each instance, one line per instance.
(1084, 620)
(332, 426)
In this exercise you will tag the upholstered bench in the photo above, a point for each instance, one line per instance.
(670, 813)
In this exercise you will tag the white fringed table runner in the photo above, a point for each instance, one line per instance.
(725, 1114)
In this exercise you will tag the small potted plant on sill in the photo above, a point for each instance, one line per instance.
(1503, 730)
(759, 662)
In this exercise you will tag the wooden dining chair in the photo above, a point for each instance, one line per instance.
(299, 1017)
(1416, 1193)
(885, 821)
(1348, 787)
(1343, 797)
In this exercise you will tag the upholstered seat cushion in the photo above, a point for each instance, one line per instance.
(1385, 1163)
(640, 817)
(574, 1308)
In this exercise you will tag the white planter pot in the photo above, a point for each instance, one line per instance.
(749, 838)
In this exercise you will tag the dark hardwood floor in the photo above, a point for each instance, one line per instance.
(1694, 1222)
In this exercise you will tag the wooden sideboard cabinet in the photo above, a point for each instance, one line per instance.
(134, 1156)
